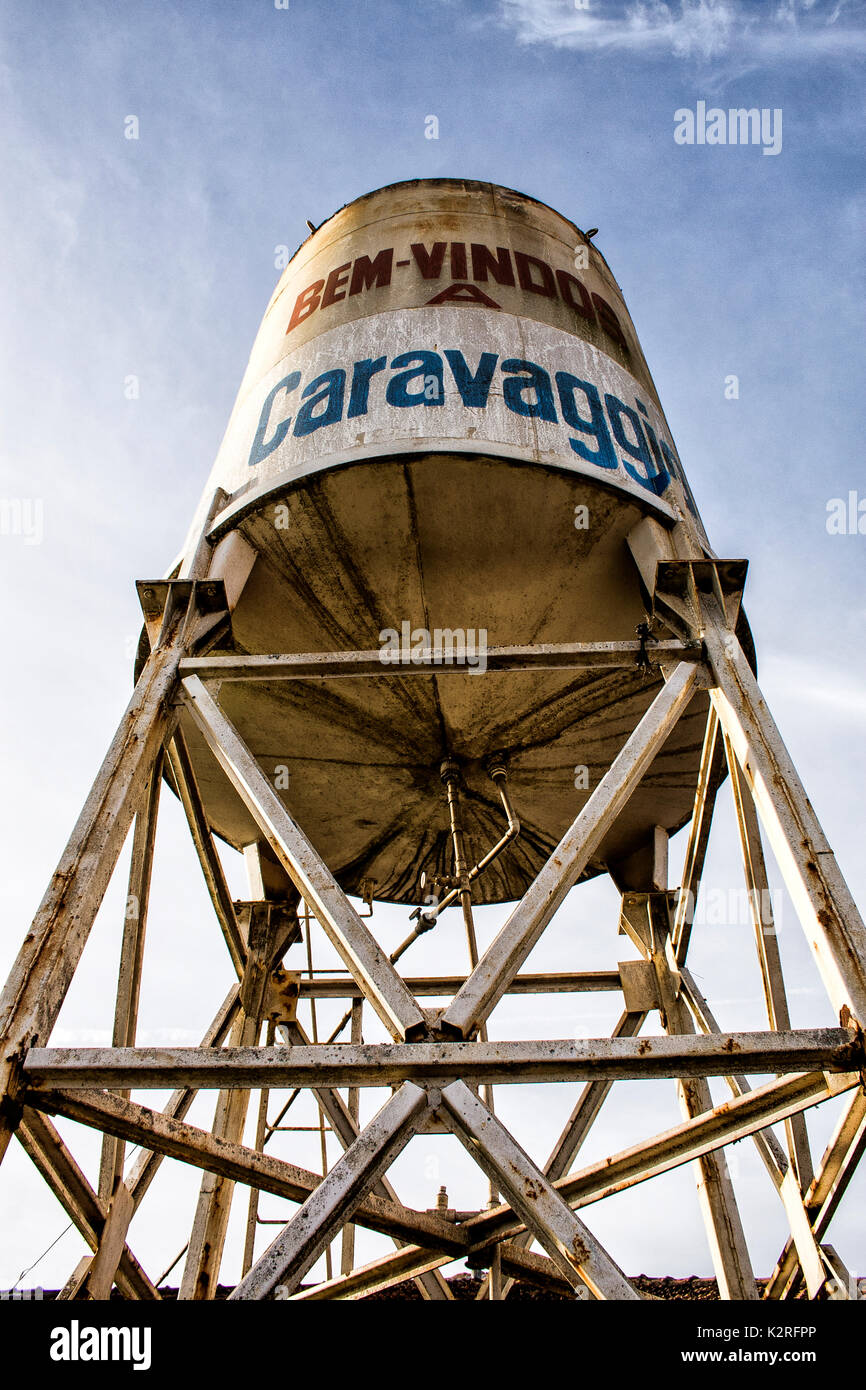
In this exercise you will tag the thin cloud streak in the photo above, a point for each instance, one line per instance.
(694, 29)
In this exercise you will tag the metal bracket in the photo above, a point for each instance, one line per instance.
(680, 584)
(160, 599)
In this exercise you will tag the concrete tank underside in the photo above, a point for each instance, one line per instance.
(442, 541)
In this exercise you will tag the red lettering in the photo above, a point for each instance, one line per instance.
(463, 293)
(499, 265)
(567, 284)
(334, 282)
(525, 265)
(429, 264)
(367, 273)
(306, 303)
(609, 321)
(458, 260)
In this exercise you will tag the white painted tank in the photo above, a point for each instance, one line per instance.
(447, 423)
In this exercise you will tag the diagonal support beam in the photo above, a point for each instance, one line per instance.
(52, 948)
(770, 1150)
(826, 1190)
(710, 776)
(728, 1123)
(178, 1139)
(201, 1270)
(411, 1261)
(44, 1146)
(299, 1244)
(721, 1216)
(212, 869)
(358, 948)
(833, 926)
(147, 1165)
(502, 960)
(345, 1126)
(769, 957)
(131, 958)
(579, 1123)
(571, 1246)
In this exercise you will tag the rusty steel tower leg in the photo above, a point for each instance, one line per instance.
(766, 940)
(50, 954)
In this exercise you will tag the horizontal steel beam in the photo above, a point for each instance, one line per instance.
(727, 1123)
(564, 982)
(549, 656)
(724, 1125)
(386, 1064)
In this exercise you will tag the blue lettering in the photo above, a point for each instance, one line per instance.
(360, 393)
(474, 390)
(604, 455)
(430, 364)
(333, 386)
(535, 380)
(260, 449)
(654, 479)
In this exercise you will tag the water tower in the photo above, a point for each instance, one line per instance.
(446, 630)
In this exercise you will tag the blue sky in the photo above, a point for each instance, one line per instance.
(154, 258)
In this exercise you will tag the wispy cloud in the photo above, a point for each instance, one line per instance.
(689, 29)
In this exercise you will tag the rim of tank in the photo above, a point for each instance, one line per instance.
(450, 181)
(239, 504)
(253, 495)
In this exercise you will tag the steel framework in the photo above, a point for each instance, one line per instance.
(439, 1064)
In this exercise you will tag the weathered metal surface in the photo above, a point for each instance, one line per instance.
(562, 982)
(725, 1124)
(503, 958)
(568, 1242)
(383, 1064)
(834, 928)
(171, 1138)
(452, 269)
(298, 1246)
(489, 492)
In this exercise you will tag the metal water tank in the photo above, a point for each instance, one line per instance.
(447, 427)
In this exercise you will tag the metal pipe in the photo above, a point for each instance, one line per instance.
(496, 770)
